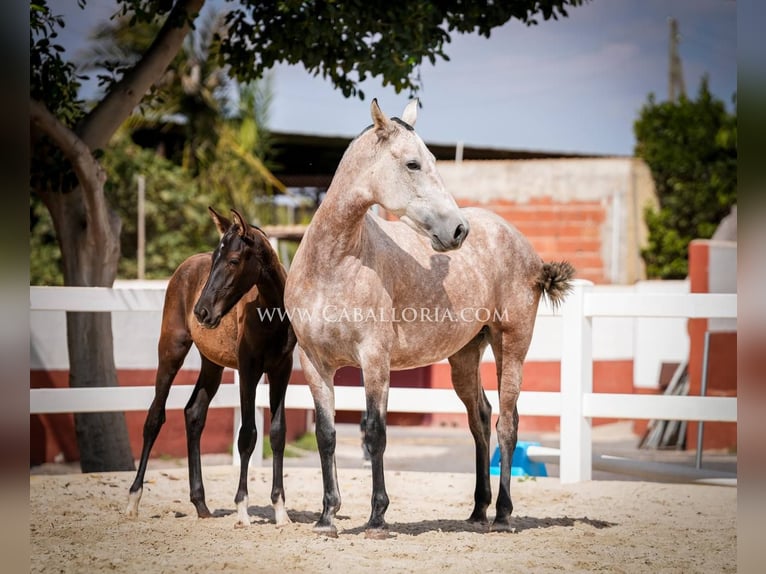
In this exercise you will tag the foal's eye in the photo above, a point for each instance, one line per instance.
(413, 165)
(234, 261)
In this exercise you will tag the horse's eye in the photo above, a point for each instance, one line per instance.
(413, 165)
(234, 261)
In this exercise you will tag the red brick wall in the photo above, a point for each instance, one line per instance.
(559, 230)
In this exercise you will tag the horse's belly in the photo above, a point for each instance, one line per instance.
(420, 344)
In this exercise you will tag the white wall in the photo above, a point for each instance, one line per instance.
(658, 341)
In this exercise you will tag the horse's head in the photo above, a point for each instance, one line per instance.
(237, 264)
(404, 180)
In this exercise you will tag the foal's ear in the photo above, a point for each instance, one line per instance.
(221, 223)
(380, 122)
(410, 114)
(240, 221)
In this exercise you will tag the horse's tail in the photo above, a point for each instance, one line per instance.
(555, 281)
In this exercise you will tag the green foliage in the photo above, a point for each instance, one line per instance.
(690, 147)
(177, 222)
(350, 40)
(54, 82)
(305, 443)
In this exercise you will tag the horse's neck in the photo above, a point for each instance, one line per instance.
(338, 225)
(271, 283)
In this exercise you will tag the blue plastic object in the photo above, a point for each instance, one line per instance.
(521, 465)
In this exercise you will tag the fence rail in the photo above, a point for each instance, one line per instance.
(575, 404)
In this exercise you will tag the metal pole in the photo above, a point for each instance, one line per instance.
(703, 391)
(141, 248)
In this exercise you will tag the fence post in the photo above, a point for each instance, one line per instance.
(576, 380)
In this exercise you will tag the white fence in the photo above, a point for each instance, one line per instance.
(575, 404)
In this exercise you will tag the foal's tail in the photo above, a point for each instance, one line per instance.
(555, 281)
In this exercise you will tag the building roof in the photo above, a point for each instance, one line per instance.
(310, 160)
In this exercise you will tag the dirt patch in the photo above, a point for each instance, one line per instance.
(77, 525)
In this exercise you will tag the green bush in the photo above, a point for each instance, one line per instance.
(690, 147)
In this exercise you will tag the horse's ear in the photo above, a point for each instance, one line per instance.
(380, 122)
(240, 221)
(221, 223)
(410, 114)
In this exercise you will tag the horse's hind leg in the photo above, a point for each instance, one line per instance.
(195, 414)
(278, 379)
(509, 356)
(173, 347)
(467, 382)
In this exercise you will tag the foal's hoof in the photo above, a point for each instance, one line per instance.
(329, 531)
(478, 518)
(204, 513)
(132, 509)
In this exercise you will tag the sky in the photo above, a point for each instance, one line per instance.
(575, 84)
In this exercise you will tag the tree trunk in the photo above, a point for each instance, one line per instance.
(101, 437)
(91, 254)
(88, 235)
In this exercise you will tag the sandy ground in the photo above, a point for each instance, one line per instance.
(77, 525)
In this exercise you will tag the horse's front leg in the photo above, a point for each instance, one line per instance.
(250, 371)
(376, 382)
(323, 392)
(278, 379)
(195, 414)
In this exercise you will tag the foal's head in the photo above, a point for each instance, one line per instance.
(404, 180)
(243, 255)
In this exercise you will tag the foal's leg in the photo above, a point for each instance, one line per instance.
(250, 371)
(509, 356)
(195, 414)
(467, 382)
(278, 379)
(172, 350)
(376, 383)
(322, 390)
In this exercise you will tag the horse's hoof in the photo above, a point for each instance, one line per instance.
(502, 526)
(280, 515)
(329, 531)
(133, 499)
(377, 534)
(240, 524)
(478, 519)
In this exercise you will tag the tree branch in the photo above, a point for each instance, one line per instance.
(101, 123)
(90, 175)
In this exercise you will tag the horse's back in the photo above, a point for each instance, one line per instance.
(495, 250)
